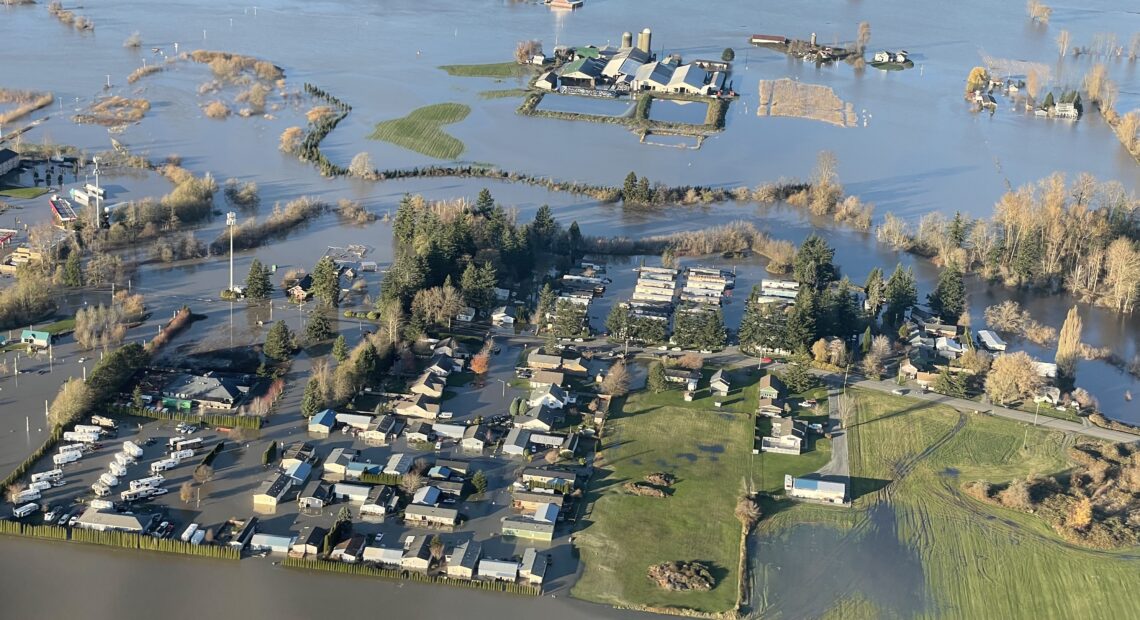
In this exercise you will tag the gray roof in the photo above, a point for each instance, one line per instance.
(206, 387)
(534, 562)
(528, 524)
(538, 498)
(551, 389)
(658, 72)
(542, 413)
(7, 154)
(467, 554)
(488, 567)
(276, 486)
(432, 511)
(92, 517)
(690, 75)
(718, 377)
(538, 357)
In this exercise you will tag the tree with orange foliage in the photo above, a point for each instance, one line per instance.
(480, 364)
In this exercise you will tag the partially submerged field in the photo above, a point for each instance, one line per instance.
(974, 560)
(786, 97)
(709, 450)
(421, 130)
(490, 70)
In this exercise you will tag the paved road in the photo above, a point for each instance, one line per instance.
(839, 465)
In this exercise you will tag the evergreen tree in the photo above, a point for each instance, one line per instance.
(948, 299)
(798, 375)
(1027, 261)
(484, 203)
(73, 269)
(326, 282)
(801, 328)
(813, 266)
(367, 364)
(279, 342)
(764, 326)
(404, 224)
(479, 482)
(901, 293)
(629, 188)
(311, 400)
(959, 229)
(618, 322)
(478, 285)
(574, 239)
(645, 329)
(543, 229)
(875, 289)
(340, 348)
(546, 300)
(569, 319)
(318, 328)
(951, 384)
(866, 345)
(643, 194)
(656, 380)
(257, 284)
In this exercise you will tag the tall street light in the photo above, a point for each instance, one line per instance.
(231, 221)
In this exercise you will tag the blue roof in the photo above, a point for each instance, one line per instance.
(299, 471)
(323, 418)
(811, 484)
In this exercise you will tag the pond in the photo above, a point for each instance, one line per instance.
(586, 105)
(672, 111)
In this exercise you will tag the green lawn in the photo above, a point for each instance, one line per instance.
(23, 192)
(978, 560)
(420, 131)
(59, 327)
(491, 70)
(504, 93)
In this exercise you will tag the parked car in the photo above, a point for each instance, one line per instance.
(898, 391)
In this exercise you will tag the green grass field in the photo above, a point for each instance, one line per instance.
(710, 452)
(978, 560)
(24, 193)
(421, 130)
(503, 94)
(490, 70)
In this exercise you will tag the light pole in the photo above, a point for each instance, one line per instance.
(231, 220)
(1035, 412)
(504, 386)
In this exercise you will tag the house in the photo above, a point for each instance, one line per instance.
(547, 81)
(298, 452)
(302, 289)
(272, 543)
(418, 431)
(502, 294)
(336, 465)
(583, 72)
(426, 496)
(95, 519)
(356, 470)
(383, 429)
(548, 477)
(925, 379)
(453, 488)
(355, 493)
(948, 348)
(517, 440)
(572, 363)
(653, 76)
(382, 500)
(439, 472)
(503, 316)
(990, 340)
(771, 387)
(533, 567)
(208, 390)
(354, 420)
(527, 527)
(1051, 395)
(399, 464)
(349, 550)
(1066, 110)
(770, 406)
(299, 473)
(310, 541)
(541, 361)
(474, 438)
(429, 384)
(466, 315)
(499, 570)
(316, 495)
(450, 431)
(684, 376)
(456, 466)
(531, 500)
(786, 437)
(768, 39)
(538, 418)
(1047, 370)
(322, 422)
(815, 490)
(542, 378)
(417, 555)
(464, 559)
(940, 329)
(548, 395)
(272, 491)
(246, 530)
(452, 348)
(443, 365)
(35, 339)
(386, 557)
(430, 516)
(9, 161)
(719, 383)
(908, 370)
(418, 407)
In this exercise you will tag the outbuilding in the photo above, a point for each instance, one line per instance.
(498, 570)
(272, 543)
(322, 422)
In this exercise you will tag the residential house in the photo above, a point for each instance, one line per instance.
(948, 348)
(991, 340)
(1047, 370)
(938, 329)
(315, 496)
(382, 500)
(429, 384)
(417, 555)
(533, 567)
(1066, 109)
(418, 407)
(246, 530)
(36, 339)
(418, 431)
(9, 161)
(815, 490)
(503, 316)
(385, 557)
(443, 365)
(543, 378)
(336, 464)
(426, 496)
(474, 438)
(538, 418)
(302, 289)
(439, 472)
(925, 379)
(354, 420)
(450, 431)
(399, 464)
(357, 469)
(786, 437)
(322, 422)
(771, 387)
(209, 390)
(466, 315)
(684, 376)
(456, 466)
(298, 472)
(298, 452)
(349, 550)
(527, 527)
(531, 500)
(355, 493)
(272, 491)
(549, 396)
(430, 516)
(383, 429)
(549, 477)
(453, 488)
(309, 543)
(464, 559)
(539, 360)
(272, 543)
(452, 348)
(573, 364)
(770, 406)
(517, 440)
(719, 383)
(499, 570)
(95, 519)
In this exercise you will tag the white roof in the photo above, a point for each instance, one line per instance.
(547, 513)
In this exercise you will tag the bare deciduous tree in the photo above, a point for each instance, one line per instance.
(1063, 42)
(616, 381)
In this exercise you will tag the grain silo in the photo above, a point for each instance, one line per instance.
(627, 39)
(645, 41)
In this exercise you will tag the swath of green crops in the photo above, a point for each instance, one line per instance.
(421, 131)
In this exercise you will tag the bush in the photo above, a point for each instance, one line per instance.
(211, 419)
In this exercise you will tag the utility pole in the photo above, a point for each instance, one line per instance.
(231, 220)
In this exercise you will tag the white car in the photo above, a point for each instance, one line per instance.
(446, 415)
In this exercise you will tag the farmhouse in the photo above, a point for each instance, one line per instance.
(584, 72)
(787, 436)
(771, 387)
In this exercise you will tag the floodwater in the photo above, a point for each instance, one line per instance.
(692, 112)
(586, 105)
(806, 569)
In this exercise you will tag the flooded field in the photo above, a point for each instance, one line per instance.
(586, 105)
(692, 112)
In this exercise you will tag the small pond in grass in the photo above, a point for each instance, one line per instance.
(586, 105)
(692, 112)
(804, 570)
